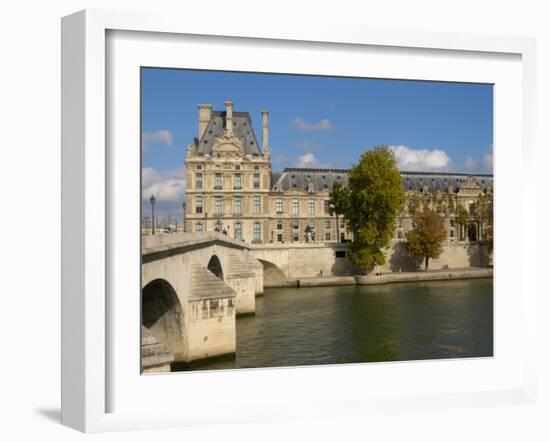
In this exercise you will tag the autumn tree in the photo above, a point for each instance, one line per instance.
(426, 239)
(338, 204)
(375, 199)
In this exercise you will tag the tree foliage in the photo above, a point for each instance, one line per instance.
(374, 199)
(338, 203)
(426, 239)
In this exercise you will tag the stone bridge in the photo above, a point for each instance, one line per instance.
(193, 287)
(303, 260)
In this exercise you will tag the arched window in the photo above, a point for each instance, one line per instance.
(198, 227)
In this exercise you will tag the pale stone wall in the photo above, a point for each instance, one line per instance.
(455, 255)
(307, 260)
(246, 294)
(303, 260)
(211, 328)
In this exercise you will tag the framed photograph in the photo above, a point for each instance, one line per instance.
(292, 222)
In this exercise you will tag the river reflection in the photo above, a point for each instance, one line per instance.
(394, 322)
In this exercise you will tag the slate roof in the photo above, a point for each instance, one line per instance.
(242, 128)
(298, 178)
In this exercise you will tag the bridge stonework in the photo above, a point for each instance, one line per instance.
(303, 260)
(193, 287)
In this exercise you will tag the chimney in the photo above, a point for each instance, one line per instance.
(205, 112)
(229, 117)
(265, 130)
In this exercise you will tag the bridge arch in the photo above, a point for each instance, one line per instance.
(162, 314)
(215, 266)
(272, 271)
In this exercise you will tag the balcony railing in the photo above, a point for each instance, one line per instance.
(217, 187)
(218, 214)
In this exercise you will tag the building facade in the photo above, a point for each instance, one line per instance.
(231, 188)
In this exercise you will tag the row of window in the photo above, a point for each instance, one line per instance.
(238, 230)
(256, 232)
(218, 166)
(296, 224)
(295, 207)
(257, 205)
(237, 205)
(218, 182)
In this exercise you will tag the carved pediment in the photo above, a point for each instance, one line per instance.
(470, 187)
(227, 145)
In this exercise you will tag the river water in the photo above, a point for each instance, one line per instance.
(345, 324)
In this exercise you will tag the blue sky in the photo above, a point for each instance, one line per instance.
(316, 122)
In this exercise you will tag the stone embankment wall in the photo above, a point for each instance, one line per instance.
(303, 260)
(455, 255)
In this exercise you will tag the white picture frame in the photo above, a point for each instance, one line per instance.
(87, 211)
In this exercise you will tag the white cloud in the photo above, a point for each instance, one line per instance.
(488, 159)
(162, 136)
(168, 186)
(309, 146)
(301, 124)
(310, 161)
(421, 159)
(470, 163)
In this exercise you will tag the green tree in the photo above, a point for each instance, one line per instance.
(426, 239)
(375, 198)
(462, 218)
(338, 203)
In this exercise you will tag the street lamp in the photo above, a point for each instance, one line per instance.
(153, 199)
(184, 206)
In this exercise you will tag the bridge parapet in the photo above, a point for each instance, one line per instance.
(160, 246)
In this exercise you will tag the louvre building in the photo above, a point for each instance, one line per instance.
(232, 188)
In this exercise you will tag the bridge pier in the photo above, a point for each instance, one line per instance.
(242, 279)
(258, 269)
(155, 357)
(211, 328)
(194, 287)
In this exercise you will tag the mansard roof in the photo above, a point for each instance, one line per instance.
(242, 128)
(324, 179)
(298, 178)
